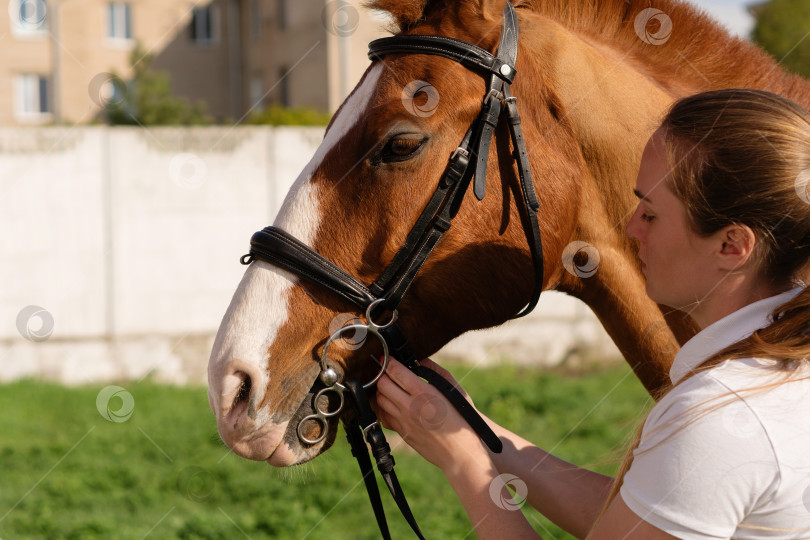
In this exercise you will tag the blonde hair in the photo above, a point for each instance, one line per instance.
(742, 156)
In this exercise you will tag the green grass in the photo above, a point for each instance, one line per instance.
(66, 472)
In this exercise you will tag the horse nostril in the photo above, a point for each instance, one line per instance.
(244, 390)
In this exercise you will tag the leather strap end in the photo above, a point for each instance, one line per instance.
(463, 406)
(479, 188)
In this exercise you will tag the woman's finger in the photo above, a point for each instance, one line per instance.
(388, 421)
(403, 377)
(393, 394)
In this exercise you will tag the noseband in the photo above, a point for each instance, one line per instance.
(280, 249)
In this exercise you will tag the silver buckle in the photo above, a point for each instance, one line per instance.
(461, 151)
(493, 94)
(370, 426)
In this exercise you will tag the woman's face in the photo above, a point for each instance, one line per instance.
(676, 262)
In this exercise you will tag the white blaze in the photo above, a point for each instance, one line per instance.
(259, 307)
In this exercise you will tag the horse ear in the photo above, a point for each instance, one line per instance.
(492, 10)
(406, 13)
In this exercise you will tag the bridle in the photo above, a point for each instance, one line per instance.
(282, 250)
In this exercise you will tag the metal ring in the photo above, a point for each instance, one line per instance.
(371, 322)
(339, 392)
(371, 330)
(321, 422)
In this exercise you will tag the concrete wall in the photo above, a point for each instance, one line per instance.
(129, 240)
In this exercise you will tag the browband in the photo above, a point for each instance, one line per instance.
(462, 52)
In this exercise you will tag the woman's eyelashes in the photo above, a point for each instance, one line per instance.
(647, 217)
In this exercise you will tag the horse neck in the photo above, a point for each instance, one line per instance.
(612, 97)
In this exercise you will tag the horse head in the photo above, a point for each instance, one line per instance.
(355, 202)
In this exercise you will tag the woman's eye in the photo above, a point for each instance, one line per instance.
(400, 149)
(646, 217)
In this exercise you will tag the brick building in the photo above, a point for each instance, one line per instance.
(235, 55)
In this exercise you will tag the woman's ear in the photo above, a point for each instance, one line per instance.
(737, 244)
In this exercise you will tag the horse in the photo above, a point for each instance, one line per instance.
(593, 81)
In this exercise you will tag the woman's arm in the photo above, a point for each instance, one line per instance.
(568, 495)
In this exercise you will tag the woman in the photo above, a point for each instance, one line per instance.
(723, 227)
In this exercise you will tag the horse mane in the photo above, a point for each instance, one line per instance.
(699, 49)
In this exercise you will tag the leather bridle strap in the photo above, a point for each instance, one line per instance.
(467, 54)
(425, 235)
(354, 434)
(435, 220)
(365, 424)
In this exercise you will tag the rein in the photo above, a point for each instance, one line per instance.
(282, 250)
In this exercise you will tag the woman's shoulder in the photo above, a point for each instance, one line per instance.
(742, 399)
(743, 378)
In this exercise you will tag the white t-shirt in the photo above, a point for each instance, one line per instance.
(716, 461)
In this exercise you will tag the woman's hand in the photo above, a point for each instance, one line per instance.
(425, 419)
(432, 426)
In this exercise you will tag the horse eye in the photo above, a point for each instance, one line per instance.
(400, 149)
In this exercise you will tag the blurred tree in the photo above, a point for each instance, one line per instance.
(783, 29)
(276, 115)
(147, 98)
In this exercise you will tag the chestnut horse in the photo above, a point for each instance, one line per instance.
(594, 79)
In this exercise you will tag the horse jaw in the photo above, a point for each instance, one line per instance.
(244, 351)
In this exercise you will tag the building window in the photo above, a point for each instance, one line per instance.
(255, 19)
(205, 25)
(31, 96)
(119, 21)
(28, 17)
